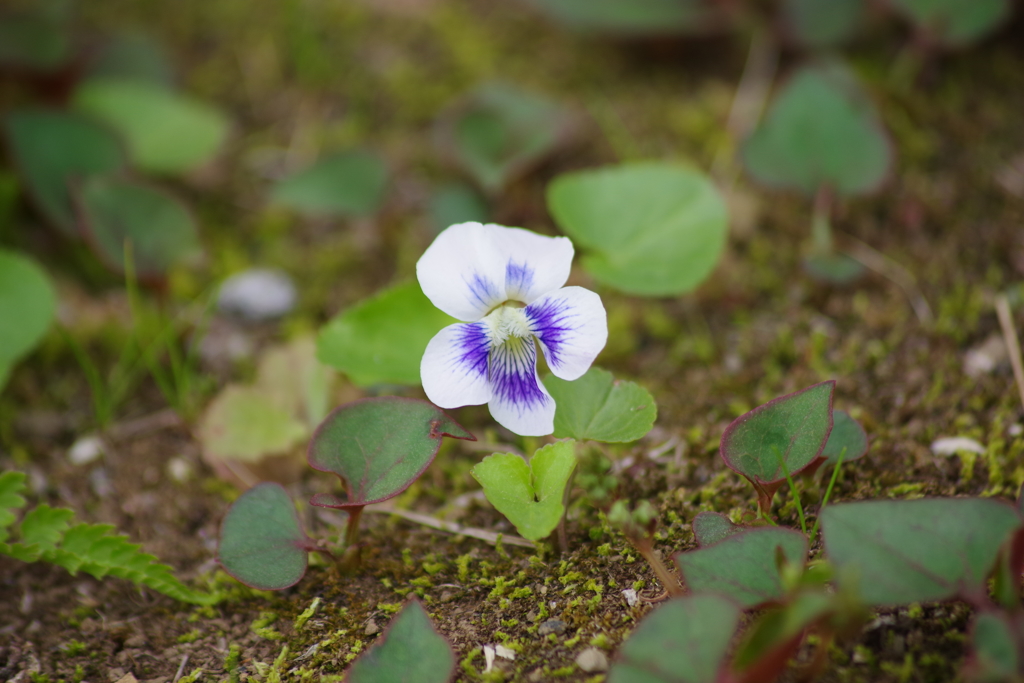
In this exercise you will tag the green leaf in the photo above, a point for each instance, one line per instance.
(410, 651)
(55, 150)
(774, 637)
(712, 527)
(33, 41)
(793, 428)
(344, 184)
(166, 132)
(744, 566)
(44, 526)
(846, 434)
(654, 229)
(498, 131)
(821, 130)
(262, 543)
(382, 339)
(295, 381)
(631, 17)
(245, 423)
(12, 485)
(819, 24)
(902, 551)
(835, 267)
(997, 653)
(132, 56)
(684, 640)
(600, 408)
(378, 447)
(456, 203)
(27, 306)
(161, 231)
(531, 496)
(955, 22)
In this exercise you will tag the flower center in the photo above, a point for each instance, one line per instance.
(507, 322)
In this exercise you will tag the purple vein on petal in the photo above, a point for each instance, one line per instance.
(551, 321)
(513, 374)
(518, 279)
(482, 290)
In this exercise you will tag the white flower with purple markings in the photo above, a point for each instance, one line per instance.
(506, 284)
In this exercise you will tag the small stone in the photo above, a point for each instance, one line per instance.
(135, 641)
(257, 294)
(179, 469)
(85, 450)
(124, 677)
(505, 652)
(1015, 429)
(556, 626)
(985, 357)
(951, 445)
(372, 628)
(631, 597)
(592, 660)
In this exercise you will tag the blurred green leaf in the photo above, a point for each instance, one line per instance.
(166, 132)
(902, 551)
(456, 203)
(410, 651)
(818, 24)
(292, 377)
(955, 22)
(345, 184)
(712, 527)
(744, 566)
(27, 307)
(684, 640)
(132, 56)
(821, 130)
(497, 131)
(997, 654)
(54, 151)
(654, 229)
(262, 543)
(846, 434)
(530, 496)
(600, 408)
(160, 230)
(378, 447)
(382, 339)
(35, 41)
(631, 17)
(245, 423)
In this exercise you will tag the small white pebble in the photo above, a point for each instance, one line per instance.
(951, 445)
(504, 652)
(591, 660)
(179, 469)
(631, 597)
(257, 294)
(1016, 429)
(85, 450)
(985, 357)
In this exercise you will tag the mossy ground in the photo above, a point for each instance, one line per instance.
(301, 77)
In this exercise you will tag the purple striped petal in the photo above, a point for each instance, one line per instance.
(519, 401)
(572, 328)
(454, 366)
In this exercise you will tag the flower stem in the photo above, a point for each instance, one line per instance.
(352, 530)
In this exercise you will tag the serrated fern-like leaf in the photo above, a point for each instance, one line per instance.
(11, 486)
(47, 535)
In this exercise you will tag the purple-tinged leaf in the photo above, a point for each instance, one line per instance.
(744, 566)
(846, 433)
(775, 636)
(682, 641)
(791, 429)
(712, 527)
(903, 551)
(411, 652)
(262, 543)
(378, 447)
(996, 655)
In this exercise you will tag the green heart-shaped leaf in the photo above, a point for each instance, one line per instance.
(378, 447)
(531, 496)
(345, 184)
(262, 543)
(382, 339)
(791, 429)
(55, 150)
(744, 566)
(166, 132)
(600, 408)
(847, 438)
(27, 306)
(902, 551)
(955, 22)
(820, 131)
(161, 231)
(653, 229)
(411, 651)
(683, 641)
(712, 527)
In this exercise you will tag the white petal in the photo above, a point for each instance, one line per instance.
(519, 402)
(471, 268)
(572, 328)
(454, 366)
